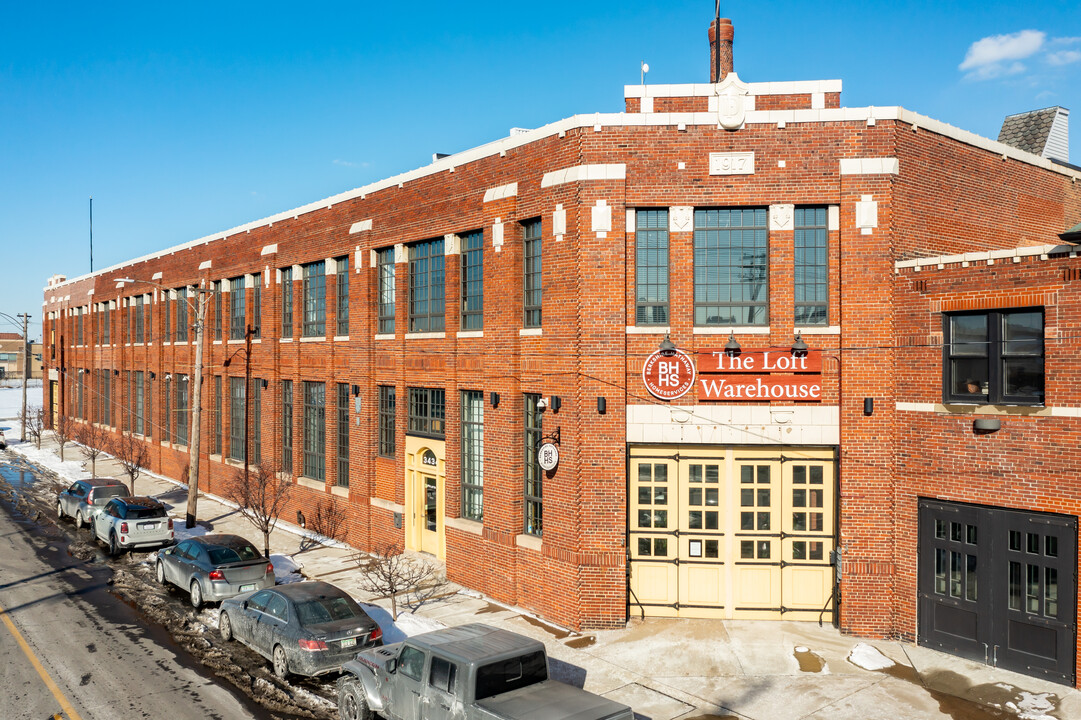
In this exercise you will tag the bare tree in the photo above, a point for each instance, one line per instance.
(63, 432)
(133, 456)
(389, 573)
(326, 521)
(261, 497)
(34, 420)
(92, 440)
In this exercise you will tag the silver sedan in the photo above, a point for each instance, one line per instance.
(214, 567)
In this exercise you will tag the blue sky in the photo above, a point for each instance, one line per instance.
(184, 120)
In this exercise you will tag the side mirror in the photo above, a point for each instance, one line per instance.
(244, 605)
(392, 665)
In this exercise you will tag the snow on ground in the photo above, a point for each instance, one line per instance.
(1033, 706)
(868, 657)
(406, 625)
(70, 469)
(11, 400)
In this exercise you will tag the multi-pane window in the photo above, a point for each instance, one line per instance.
(80, 384)
(315, 299)
(531, 273)
(149, 330)
(287, 426)
(139, 423)
(427, 291)
(98, 335)
(731, 267)
(427, 412)
(473, 455)
(217, 415)
(256, 421)
(105, 386)
(287, 302)
(534, 431)
(128, 403)
(812, 266)
(342, 301)
(149, 399)
(236, 418)
(651, 267)
(315, 465)
(257, 305)
(237, 310)
(182, 409)
(387, 423)
(343, 435)
(182, 314)
(167, 400)
(106, 324)
(473, 280)
(79, 326)
(167, 322)
(139, 322)
(995, 357)
(385, 264)
(217, 309)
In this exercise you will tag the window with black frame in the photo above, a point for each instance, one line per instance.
(257, 305)
(731, 267)
(315, 441)
(532, 277)
(427, 412)
(385, 310)
(237, 309)
(811, 266)
(182, 314)
(342, 287)
(287, 302)
(472, 455)
(994, 357)
(387, 424)
(427, 291)
(534, 476)
(473, 280)
(343, 436)
(651, 267)
(315, 299)
(287, 426)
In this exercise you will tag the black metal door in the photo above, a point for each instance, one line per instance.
(999, 586)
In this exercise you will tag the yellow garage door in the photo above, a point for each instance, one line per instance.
(720, 532)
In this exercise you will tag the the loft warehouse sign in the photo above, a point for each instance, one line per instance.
(751, 376)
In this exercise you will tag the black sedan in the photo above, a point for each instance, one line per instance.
(307, 628)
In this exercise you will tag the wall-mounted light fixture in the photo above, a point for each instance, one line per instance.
(602, 406)
(116, 373)
(986, 424)
(557, 402)
(356, 390)
(153, 375)
(667, 348)
(868, 406)
(732, 348)
(799, 347)
(266, 383)
(493, 398)
(300, 519)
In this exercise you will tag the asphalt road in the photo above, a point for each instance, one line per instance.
(69, 649)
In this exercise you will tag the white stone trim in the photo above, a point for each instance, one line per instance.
(316, 338)
(462, 334)
(501, 192)
(269, 249)
(360, 226)
(797, 87)
(399, 253)
(733, 424)
(1042, 252)
(156, 276)
(425, 335)
(833, 213)
(529, 542)
(583, 173)
(819, 330)
(470, 526)
(383, 336)
(451, 245)
(388, 505)
(648, 329)
(870, 166)
(743, 330)
(529, 332)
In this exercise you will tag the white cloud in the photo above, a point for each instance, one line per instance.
(1065, 41)
(1063, 57)
(986, 58)
(348, 163)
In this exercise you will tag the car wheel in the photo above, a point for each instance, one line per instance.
(114, 546)
(160, 572)
(281, 663)
(352, 703)
(79, 519)
(225, 627)
(196, 594)
(59, 510)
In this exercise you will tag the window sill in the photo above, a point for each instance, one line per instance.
(313, 339)
(231, 341)
(743, 330)
(341, 338)
(818, 329)
(217, 342)
(312, 483)
(425, 335)
(470, 526)
(384, 336)
(340, 490)
(530, 542)
(530, 332)
(386, 505)
(648, 329)
(470, 334)
(288, 339)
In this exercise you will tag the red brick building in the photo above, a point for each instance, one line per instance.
(739, 322)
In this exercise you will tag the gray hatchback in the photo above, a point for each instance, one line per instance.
(214, 567)
(85, 498)
(306, 628)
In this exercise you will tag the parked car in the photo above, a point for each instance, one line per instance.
(130, 523)
(306, 628)
(214, 567)
(470, 672)
(85, 498)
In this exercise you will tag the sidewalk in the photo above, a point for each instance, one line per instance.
(687, 669)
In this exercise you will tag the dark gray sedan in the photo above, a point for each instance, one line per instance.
(214, 567)
(307, 628)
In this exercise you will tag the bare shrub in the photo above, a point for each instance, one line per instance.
(92, 440)
(325, 521)
(63, 432)
(33, 418)
(133, 456)
(390, 573)
(261, 497)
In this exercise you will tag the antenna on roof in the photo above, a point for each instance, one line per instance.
(645, 69)
(91, 233)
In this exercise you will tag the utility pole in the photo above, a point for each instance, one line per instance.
(26, 372)
(196, 409)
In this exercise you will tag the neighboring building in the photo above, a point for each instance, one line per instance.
(744, 317)
(13, 356)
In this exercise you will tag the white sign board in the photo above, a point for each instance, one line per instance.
(735, 163)
(548, 456)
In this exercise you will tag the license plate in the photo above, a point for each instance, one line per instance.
(349, 642)
(246, 588)
(148, 526)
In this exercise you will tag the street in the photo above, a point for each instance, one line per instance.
(72, 649)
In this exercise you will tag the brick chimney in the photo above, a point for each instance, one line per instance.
(721, 46)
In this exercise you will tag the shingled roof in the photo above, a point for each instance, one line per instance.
(1036, 131)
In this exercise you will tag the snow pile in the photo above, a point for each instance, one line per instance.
(68, 469)
(286, 570)
(1032, 706)
(868, 658)
(405, 626)
(11, 401)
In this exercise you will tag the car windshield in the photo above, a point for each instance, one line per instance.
(225, 554)
(139, 512)
(327, 609)
(105, 493)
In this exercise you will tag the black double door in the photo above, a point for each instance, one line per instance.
(999, 586)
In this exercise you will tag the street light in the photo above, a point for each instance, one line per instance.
(197, 396)
(26, 367)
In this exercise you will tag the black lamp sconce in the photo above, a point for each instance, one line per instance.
(356, 390)
(557, 402)
(153, 375)
(799, 347)
(300, 519)
(602, 406)
(984, 425)
(493, 398)
(116, 373)
(868, 406)
(266, 383)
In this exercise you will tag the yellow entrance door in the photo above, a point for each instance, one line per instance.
(806, 574)
(425, 480)
(702, 578)
(653, 538)
(431, 520)
(755, 554)
(54, 403)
